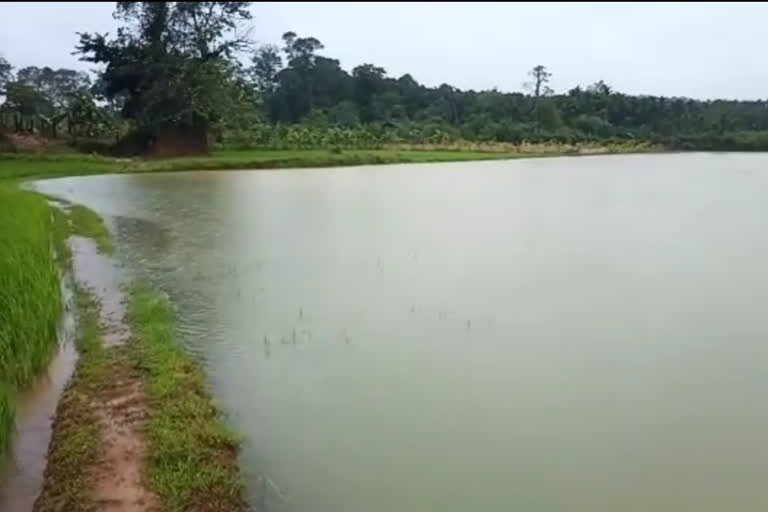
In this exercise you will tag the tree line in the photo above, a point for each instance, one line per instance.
(179, 74)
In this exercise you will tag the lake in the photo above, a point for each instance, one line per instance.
(558, 334)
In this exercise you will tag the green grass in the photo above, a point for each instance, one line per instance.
(192, 455)
(41, 165)
(85, 222)
(30, 298)
(75, 442)
(24, 166)
(6, 414)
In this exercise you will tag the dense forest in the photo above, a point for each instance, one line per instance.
(180, 75)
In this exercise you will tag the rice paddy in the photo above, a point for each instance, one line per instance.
(30, 297)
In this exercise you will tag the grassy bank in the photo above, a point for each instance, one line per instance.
(30, 297)
(18, 166)
(34, 165)
(191, 457)
(192, 462)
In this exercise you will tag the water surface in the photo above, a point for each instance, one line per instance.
(544, 335)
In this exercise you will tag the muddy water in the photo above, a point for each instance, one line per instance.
(549, 335)
(21, 474)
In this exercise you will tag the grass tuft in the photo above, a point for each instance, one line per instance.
(85, 222)
(192, 455)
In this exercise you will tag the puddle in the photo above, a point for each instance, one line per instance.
(101, 275)
(22, 474)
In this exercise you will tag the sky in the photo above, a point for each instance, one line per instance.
(698, 50)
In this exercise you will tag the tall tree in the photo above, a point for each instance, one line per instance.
(173, 63)
(300, 50)
(369, 81)
(600, 87)
(266, 65)
(539, 84)
(57, 86)
(6, 74)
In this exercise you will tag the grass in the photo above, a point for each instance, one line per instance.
(30, 297)
(48, 165)
(85, 222)
(25, 166)
(192, 455)
(33, 254)
(6, 414)
(75, 440)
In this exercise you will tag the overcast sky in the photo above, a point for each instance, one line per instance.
(704, 50)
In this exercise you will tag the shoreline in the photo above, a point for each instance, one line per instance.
(134, 426)
(28, 166)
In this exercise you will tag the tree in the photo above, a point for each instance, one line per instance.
(266, 65)
(368, 81)
(593, 125)
(600, 88)
(6, 74)
(541, 78)
(344, 114)
(86, 119)
(172, 62)
(57, 86)
(547, 115)
(300, 50)
(26, 104)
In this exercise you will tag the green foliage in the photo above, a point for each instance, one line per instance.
(266, 64)
(593, 125)
(409, 112)
(56, 86)
(85, 222)
(547, 115)
(6, 415)
(171, 63)
(171, 68)
(6, 74)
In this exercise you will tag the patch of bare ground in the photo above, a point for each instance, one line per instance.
(121, 411)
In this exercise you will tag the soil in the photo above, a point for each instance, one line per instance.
(122, 412)
(28, 143)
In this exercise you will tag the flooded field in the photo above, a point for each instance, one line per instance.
(547, 335)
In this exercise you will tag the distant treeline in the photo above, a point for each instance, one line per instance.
(182, 71)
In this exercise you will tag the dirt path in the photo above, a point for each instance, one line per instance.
(105, 399)
(117, 474)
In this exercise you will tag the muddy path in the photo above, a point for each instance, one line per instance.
(106, 396)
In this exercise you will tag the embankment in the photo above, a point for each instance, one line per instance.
(42, 165)
(135, 426)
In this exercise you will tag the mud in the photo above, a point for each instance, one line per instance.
(116, 479)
